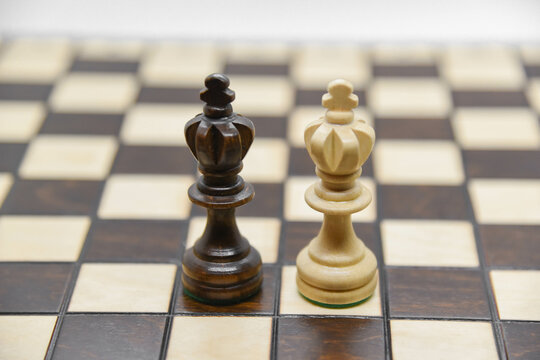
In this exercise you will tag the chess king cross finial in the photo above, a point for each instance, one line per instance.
(217, 96)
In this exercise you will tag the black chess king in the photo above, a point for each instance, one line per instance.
(222, 267)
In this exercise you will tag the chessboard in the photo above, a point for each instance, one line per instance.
(95, 218)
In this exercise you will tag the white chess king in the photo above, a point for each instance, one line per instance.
(336, 269)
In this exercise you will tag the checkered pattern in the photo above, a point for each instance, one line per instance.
(94, 216)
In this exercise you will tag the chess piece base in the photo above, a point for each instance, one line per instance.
(221, 282)
(336, 286)
(333, 306)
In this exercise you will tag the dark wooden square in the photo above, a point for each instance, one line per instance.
(105, 66)
(503, 164)
(313, 97)
(154, 160)
(330, 338)
(489, 98)
(53, 197)
(261, 303)
(275, 127)
(257, 69)
(299, 234)
(511, 245)
(111, 337)
(423, 202)
(11, 156)
(405, 71)
(171, 95)
(33, 287)
(413, 129)
(522, 340)
(532, 70)
(92, 124)
(268, 201)
(27, 92)
(437, 293)
(141, 240)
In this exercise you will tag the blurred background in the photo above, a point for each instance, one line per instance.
(346, 20)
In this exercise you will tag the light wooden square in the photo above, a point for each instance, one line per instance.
(495, 128)
(293, 303)
(487, 68)
(506, 201)
(313, 67)
(94, 93)
(42, 238)
(442, 340)
(262, 95)
(409, 97)
(28, 60)
(257, 53)
(517, 293)
(20, 120)
(157, 124)
(173, 64)
(83, 157)
(296, 208)
(123, 287)
(107, 50)
(533, 93)
(25, 337)
(146, 197)
(223, 337)
(423, 162)
(262, 233)
(428, 243)
(530, 54)
(301, 116)
(267, 161)
(6, 180)
(389, 54)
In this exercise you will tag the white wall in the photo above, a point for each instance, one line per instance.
(327, 20)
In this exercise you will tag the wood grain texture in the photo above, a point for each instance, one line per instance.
(37, 92)
(507, 245)
(406, 128)
(502, 164)
(166, 95)
(53, 197)
(522, 340)
(105, 66)
(87, 124)
(405, 70)
(491, 99)
(437, 293)
(154, 160)
(532, 70)
(33, 287)
(112, 337)
(10, 156)
(275, 127)
(330, 338)
(256, 69)
(132, 240)
(423, 202)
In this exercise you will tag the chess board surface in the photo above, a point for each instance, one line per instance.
(94, 216)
